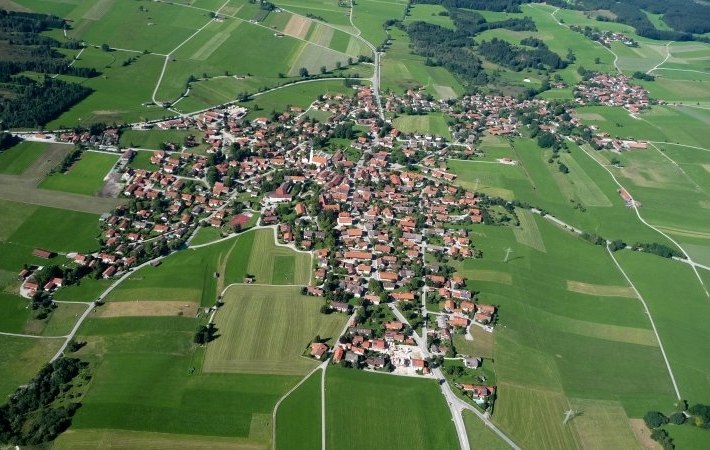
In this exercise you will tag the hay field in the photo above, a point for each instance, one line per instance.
(266, 329)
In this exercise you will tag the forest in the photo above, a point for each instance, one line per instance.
(685, 17)
(445, 47)
(42, 409)
(28, 101)
(518, 58)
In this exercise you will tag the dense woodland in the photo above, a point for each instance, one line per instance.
(458, 52)
(25, 101)
(686, 18)
(39, 411)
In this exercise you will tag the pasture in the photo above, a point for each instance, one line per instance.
(357, 400)
(86, 176)
(298, 420)
(16, 160)
(369, 17)
(432, 124)
(266, 329)
(328, 11)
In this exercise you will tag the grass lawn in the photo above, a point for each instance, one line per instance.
(86, 176)
(434, 123)
(357, 401)
(298, 421)
(17, 159)
(266, 329)
(86, 290)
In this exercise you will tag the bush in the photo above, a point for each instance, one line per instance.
(678, 418)
(655, 419)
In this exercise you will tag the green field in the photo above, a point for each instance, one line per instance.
(152, 139)
(16, 160)
(86, 176)
(433, 123)
(298, 95)
(28, 227)
(298, 421)
(190, 275)
(116, 97)
(147, 378)
(409, 412)
(547, 334)
(369, 17)
(22, 358)
(266, 329)
(480, 436)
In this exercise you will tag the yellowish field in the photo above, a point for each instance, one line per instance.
(600, 290)
(602, 425)
(491, 275)
(517, 405)
(298, 26)
(148, 308)
(266, 329)
(528, 233)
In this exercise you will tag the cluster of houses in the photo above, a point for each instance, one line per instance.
(605, 37)
(612, 90)
(371, 223)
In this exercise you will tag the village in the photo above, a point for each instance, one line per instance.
(381, 226)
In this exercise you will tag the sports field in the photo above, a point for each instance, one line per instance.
(266, 329)
(357, 401)
(86, 176)
(298, 421)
